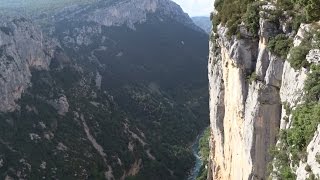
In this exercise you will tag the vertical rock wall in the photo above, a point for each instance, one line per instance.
(245, 106)
(249, 86)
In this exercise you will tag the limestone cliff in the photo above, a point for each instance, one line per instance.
(122, 97)
(251, 87)
(22, 48)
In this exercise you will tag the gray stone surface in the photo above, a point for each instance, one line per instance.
(22, 48)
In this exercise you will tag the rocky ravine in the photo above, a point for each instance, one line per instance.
(248, 87)
(121, 95)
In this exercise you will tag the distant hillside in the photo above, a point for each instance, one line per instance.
(203, 22)
(106, 89)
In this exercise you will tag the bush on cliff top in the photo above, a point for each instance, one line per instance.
(280, 45)
(232, 12)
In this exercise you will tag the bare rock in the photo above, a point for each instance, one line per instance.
(61, 105)
(314, 56)
(22, 48)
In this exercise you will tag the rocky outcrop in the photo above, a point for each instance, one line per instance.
(245, 106)
(61, 105)
(126, 12)
(22, 48)
(251, 90)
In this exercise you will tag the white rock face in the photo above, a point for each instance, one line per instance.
(245, 117)
(314, 56)
(22, 48)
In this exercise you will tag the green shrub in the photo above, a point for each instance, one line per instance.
(204, 145)
(286, 107)
(312, 177)
(204, 151)
(308, 168)
(252, 77)
(281, 162)
(252, 19)
(297, 20)
(285, 4)
(305, 119)
(312, 9)
(231, 13)
(312, 84)
(318, 157)
(297, 57)
(280, 45)
(218, 5)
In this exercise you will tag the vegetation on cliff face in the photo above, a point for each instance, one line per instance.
(286, 16)
(305, 117)
(204, 154)
(280, 45)
(294, 141)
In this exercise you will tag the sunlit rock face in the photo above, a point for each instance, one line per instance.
(245, 114)
(249, 87)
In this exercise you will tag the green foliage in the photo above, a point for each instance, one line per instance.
(204, 145)
(297, 57)
(312, 10)
(251, 18)
(280, 45)
(204, 151)
(232, 25)
(300, 11)
(281, 162)
(312, 84)
(287, 108)
(202, 173)
(285, 4)
(252, 77)
(305, 119)
(297, 20)
(231, 13)
(312, 177)
(308, 168)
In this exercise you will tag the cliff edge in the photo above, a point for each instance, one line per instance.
(261, 56)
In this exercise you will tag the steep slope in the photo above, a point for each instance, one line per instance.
(254, 81)
(22, 48)
(203, 22)
(122, 97)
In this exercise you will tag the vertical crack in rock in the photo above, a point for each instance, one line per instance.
(245, 112)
